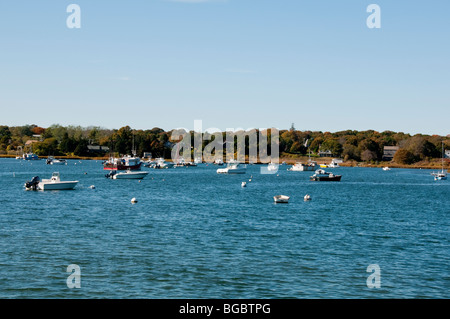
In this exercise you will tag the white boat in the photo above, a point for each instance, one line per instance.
(218, 162)
(386, 168)
(127, 175)
(272, 167)
(232, 168)
(307, 197)
(442, 175)
(54, 161)
(244, 184)
(335, 163)
(51, 184)
(281, 199)
(300, 167)
(161, 163)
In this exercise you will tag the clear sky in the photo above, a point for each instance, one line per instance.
(230, 63)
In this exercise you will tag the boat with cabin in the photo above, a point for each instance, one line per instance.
(323, 176)
(124, 163)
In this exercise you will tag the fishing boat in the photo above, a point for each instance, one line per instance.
(127, 175)
(54, 183)
(442, 175)
(124, 163)
(232, 168)
(283, 199)
(300, 167)
(323, 176)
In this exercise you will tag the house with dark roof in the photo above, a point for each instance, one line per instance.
(389, 152)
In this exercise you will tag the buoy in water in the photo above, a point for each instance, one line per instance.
(134, 200)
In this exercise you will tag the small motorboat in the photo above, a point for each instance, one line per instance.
(127, 175)
(232, 168)
(322, 176)
(282, 199)
(307, 198)
(160, 163)
(386, 168)
(54, 161)
(52, 184)
(244, 184)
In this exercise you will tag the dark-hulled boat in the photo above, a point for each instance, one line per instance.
(322, 176)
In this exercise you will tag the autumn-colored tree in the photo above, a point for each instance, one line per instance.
(403, 156)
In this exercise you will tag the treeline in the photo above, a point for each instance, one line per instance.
(359, 146)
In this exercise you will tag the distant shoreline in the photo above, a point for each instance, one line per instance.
(291, 161)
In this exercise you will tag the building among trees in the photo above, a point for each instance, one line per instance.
(389, 152)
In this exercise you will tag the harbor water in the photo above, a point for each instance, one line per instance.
(194, 233)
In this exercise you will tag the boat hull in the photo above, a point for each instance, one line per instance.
(121, 167)
(58, 186)
(335, 178)
(139, 175)
(281, 199)
(231, 171)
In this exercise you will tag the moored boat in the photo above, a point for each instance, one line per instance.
(53, 161)
(300, 167)
(54, 183)
(442, 175)
(122, 164)
(322, 176)
(30, 157)
(232, 168)
(282, 199)
(127, 175)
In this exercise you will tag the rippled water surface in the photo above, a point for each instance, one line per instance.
(198, 234)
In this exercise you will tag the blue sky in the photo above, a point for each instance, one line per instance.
(230, 63)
